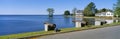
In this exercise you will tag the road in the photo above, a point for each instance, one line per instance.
(101, 33)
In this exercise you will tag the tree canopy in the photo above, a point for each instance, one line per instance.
(50, 11)
(90, 9)
(74, 11)
(104, 10)
(117, 8)
(67, 12)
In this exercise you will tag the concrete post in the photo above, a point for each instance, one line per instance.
(46, 27)
(116, 20)
(97, 23)
(78, 24)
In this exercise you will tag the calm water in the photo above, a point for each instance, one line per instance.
(13, 24)
(21, 23)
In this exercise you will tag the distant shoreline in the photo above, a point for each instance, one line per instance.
(22, 15)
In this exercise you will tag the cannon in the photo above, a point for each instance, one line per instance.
(83, 24)
(103, 22)
(49, 26)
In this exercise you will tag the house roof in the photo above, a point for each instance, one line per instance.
(103, 13)
(79, 11)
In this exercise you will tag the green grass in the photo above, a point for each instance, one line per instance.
(25, 34)
(21, 35)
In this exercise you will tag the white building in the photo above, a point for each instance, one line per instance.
(108, 14)
(79, 13)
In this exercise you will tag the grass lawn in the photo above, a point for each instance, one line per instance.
(42, 33)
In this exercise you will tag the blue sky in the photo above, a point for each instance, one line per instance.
(38, 7)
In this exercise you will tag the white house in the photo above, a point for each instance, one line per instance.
(108, 14)
(79, 13)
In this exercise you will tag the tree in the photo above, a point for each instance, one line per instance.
(89, 10)
(110, 10)
(104, 10)
(117, 11)
(96, 10)
(74, 11)
(117, 8)
(50, 11)
(67, 13)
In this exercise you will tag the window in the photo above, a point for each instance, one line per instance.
(108, 14)
(111, 14)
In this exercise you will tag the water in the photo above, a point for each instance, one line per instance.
(13, 24)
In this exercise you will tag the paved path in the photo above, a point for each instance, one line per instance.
(101, 33)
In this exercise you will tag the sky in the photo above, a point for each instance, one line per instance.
(38, 7)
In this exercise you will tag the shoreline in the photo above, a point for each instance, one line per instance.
(64, 30)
